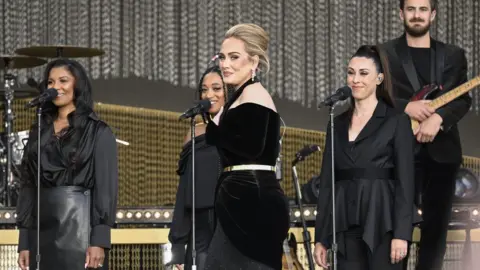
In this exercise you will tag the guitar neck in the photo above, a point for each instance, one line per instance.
(454, 93)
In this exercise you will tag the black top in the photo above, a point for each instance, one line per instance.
(93, 166)
(374, 178)
(247, 134)
(208, 170)
(421, 61)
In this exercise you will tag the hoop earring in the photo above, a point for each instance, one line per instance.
(253, 74)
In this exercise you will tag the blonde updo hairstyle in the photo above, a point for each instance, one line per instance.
(256, 41)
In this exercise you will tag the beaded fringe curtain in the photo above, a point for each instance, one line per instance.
(172, 40)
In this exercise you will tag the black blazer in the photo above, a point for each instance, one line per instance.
(374, 178)
(450, 72)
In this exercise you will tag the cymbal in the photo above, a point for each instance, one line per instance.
(57, 51)
(19, 61)
(23, 92)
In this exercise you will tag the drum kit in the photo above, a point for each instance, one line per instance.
(13, 143)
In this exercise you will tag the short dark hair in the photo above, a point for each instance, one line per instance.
(433, 4)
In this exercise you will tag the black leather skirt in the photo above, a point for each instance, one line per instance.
(64, 228)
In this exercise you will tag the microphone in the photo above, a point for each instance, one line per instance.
(305, 152)
(341, 94)
(202, 106)
(48, 95)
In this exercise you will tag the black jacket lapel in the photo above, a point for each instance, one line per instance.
(403, 53)
(341, 126)
(439, 60)
(374, 123)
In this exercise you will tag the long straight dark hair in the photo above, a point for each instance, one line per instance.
(377, 55)
(82, 98)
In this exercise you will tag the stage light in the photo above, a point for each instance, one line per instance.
(420, 212)
(475, 212)
(308, 209)
(160, 215)
(7, 215)
(467, 187)
(119, 215)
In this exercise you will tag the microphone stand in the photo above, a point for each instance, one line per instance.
(194, 250)
(306, 233)
(332, 145)
(39, 118)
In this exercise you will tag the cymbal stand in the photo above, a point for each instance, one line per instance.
(8, 117)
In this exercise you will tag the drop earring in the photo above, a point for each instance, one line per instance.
(253, 74)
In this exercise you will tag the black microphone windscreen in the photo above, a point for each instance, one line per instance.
(205, 104)
(51, 93)
(346, 92)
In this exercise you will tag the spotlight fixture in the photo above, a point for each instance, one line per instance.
(7, 215)
(309, 212)
(467, 188)
(129, 215)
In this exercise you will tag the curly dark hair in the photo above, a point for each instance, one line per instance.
(227, 90)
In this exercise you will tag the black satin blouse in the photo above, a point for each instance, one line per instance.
(93, 166)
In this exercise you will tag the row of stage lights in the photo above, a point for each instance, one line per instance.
(163, 215)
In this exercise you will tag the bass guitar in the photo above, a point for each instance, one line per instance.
(430, 90)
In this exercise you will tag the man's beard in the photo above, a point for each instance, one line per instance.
(415, 31)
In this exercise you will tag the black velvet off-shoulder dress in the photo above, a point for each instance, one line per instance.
(78, 194)
(251, 208)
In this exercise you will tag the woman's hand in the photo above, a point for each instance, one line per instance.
(95, 257)
(398, 250)
(24, 259)
(179, 266)
(321, 255)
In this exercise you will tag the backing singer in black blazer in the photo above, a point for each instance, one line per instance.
(416, 60)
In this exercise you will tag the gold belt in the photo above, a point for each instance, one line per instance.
(256, 167)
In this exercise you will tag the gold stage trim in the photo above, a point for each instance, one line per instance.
(160, 236)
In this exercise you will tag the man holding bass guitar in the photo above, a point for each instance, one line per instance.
(418, 61)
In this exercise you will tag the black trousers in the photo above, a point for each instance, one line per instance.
(358, 256)
(204, 228)
(438, 186)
